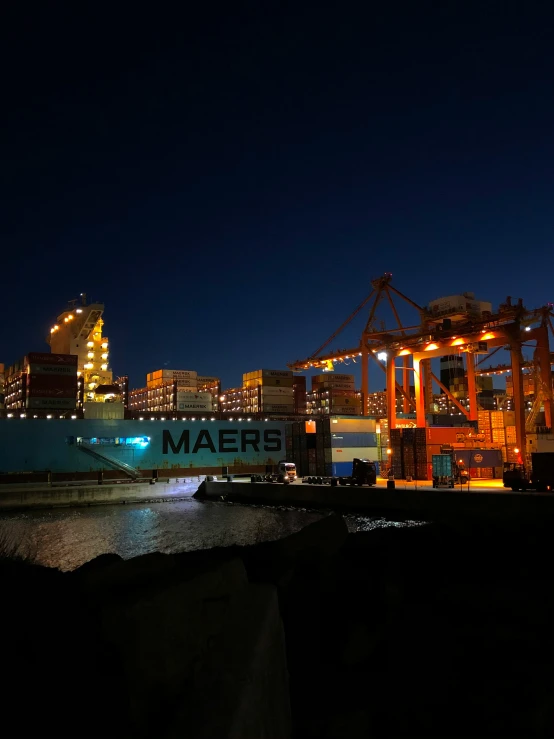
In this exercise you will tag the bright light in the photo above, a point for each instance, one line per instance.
(10, 415)
(104, 366)
(90, 355)
(105, 355)
(70, 318)
(90, 343)
(389, 451)
(528, 328)
(105, 345)
(382, 356)
(48, 416)
(516, 451)
(79, 310)
(73, 417)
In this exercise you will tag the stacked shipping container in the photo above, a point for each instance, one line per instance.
(43, 382)
(269, 391)
(409, 453)
(327, 446)
(334, 394)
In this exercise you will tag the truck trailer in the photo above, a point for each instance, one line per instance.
(539, 478)
(364, 472)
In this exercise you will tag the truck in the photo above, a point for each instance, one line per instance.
(539, 478)
(364, 472)
(283, 472)
(447, 471)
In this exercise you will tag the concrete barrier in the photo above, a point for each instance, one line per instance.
(23, 497)
(418, 504)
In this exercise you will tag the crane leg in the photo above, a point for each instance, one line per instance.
(391, 392)
(365, 379)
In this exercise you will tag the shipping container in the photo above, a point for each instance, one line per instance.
(345, 400)
(186, 395)
(55, 381)
(334, 386)
(347, 454)
(266, 392)
(331, 377)
(52, 369)
(354, 439)
(447, 434)
(45, 358)
(277, 408)
(442, 465)
(353, 425)
(347, 410)
(51, 403)
(34, 391)
(266, 373)
(202, 380)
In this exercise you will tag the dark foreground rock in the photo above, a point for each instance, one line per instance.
(425, 631)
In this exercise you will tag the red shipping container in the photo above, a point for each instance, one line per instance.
(52, 381)
(446, 434)
(51, 392)
(44, 358)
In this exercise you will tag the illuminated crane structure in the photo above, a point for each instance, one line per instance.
(511, 327)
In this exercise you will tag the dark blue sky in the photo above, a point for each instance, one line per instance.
(229, 180)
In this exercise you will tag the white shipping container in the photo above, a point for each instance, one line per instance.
(348, 454)
(179, 374)
(194, 406)
(353, 425)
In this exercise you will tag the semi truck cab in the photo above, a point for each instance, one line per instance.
(287, 469)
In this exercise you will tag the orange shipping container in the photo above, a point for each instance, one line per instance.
(444, 434)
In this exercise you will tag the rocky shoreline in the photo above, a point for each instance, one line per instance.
(435, 630)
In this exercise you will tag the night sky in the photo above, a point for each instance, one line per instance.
(228, 180)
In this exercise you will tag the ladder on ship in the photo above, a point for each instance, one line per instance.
(131, 472)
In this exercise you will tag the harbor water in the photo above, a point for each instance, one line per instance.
(68, 537)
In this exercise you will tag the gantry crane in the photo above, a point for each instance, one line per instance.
(512, 327)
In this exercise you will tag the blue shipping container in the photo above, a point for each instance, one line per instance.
(344, 469)
(346, 440)
(480, 457)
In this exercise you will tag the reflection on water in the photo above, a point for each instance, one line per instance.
(66, 538)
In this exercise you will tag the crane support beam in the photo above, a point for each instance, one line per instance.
(419, 397)
(447, 392)
(543, 354)
(391, 392)
(365, 379)
(471, 387)
(406, 385)
(519, 407)
(343, 325)
(399, 388)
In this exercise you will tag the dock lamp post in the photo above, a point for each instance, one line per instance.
(389, 457)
